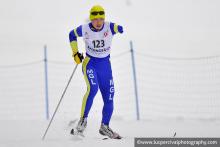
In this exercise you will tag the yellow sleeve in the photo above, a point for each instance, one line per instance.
(73, 38)
(74, 46)
(115, 28)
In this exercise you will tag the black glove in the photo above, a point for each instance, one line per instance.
(78, 57)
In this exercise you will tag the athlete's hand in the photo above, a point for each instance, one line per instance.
(78, 57)
(120, 29)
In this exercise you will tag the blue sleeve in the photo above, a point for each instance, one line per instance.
(75, 33)
(112, 28)
(119, 28)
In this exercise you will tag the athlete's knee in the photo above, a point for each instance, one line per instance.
(93, 90)
(92, 85)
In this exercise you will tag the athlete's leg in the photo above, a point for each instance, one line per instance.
(106, 86)
(90, 76)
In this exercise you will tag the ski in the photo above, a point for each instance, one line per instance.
(117, 137)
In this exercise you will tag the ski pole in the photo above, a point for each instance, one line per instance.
(59, 102)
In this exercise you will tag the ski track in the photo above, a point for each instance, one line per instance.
(15, 133)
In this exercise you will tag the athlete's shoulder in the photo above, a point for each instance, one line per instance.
(77, 32)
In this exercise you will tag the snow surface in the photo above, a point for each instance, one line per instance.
(15, 133)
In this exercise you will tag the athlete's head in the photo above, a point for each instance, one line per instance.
(97, 16)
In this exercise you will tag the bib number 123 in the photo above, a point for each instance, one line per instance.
(98, 43)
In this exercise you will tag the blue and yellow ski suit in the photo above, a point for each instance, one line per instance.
(96, 66)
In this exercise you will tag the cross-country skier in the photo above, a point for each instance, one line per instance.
(96, 66)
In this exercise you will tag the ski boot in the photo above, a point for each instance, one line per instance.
(105, 130)
(81, 126)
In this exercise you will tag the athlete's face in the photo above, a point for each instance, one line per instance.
(98, 23)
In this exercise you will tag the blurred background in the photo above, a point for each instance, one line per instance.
(176, 57)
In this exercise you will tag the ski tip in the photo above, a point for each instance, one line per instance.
(118, 137)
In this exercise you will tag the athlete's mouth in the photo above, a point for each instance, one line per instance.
(99, 26)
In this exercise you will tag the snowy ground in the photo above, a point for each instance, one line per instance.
(15, 133)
